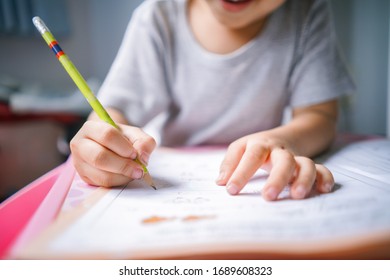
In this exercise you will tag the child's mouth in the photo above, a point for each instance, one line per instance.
(235, 5)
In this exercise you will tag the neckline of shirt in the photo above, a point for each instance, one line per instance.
(257, 43)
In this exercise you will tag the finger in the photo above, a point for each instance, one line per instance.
(253, 157)
(109, 137)
(230, 162)
(101, 178)
(283, 166)
(104, 159)
(304, 179)
(143, 143)
(325, 181)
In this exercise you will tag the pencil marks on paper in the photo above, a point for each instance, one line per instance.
(185, 219)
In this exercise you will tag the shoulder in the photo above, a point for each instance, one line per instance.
(306, 10)
(158, 11)
(306, 6)
(309, 17)
(158, 19)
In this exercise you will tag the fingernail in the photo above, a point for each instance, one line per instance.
(300, 192)
(145, 158)
(232, 189)
(270, 194)
(220, 178)
(137, 174)
(133, 154)
(329, 187)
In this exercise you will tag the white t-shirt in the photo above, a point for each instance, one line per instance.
(209, 98)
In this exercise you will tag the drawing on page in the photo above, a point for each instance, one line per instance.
(194, 218)
(157, 219)
(187, 218)
(188, 200)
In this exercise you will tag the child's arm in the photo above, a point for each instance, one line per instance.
(284, 152)
(104, 156)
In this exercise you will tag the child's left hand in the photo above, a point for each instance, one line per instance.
(246, 155)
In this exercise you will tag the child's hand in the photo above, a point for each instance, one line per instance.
(104, 156)
(246, 155)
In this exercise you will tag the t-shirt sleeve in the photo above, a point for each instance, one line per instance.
(136, 83)
(319, 73)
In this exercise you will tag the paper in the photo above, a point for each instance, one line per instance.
(368, 161)
(190, 211)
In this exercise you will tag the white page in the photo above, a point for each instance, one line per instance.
(368, 161)
(189, 209)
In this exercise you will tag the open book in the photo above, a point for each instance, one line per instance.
(189, 216)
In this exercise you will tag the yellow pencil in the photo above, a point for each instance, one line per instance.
(81, 83)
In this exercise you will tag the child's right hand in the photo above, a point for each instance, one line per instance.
(104, 156)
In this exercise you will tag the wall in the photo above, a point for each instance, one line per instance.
(363, 32)
(109, 22)
(29, 59)
(97, 27)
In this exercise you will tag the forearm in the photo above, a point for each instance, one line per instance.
(307, 135)
(310, 131)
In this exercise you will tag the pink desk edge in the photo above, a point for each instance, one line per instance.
(41, 199)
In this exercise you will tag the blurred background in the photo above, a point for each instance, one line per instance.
(40, 108)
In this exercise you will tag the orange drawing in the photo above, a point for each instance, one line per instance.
(193, 218)
(156, 219)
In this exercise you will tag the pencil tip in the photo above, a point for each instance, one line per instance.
(148, 179)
